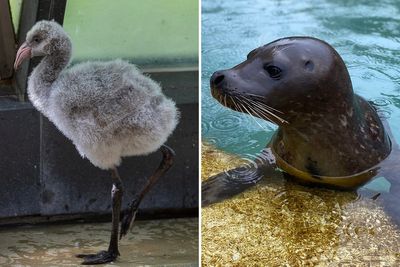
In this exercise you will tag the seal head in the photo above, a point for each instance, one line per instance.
(302, 85)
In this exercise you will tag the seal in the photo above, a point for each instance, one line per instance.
(327, 134)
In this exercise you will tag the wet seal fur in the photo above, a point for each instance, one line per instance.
(327, 134)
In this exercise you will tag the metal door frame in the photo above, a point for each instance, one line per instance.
(14, 83)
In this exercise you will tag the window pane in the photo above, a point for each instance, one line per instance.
(151, 33)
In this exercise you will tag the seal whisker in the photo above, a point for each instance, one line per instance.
(258, 112)
(240, 106)
(261, 103)
(263, 112)
(267, 111)
(237, 104)
(258, 115)
(243, 99)
(263, 106)
(262, 109)
(251, 113)
(234, 103)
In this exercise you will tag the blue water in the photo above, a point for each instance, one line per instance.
(365, 33)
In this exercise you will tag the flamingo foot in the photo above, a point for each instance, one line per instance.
(99, 258)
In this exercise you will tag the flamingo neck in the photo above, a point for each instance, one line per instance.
(42, 78)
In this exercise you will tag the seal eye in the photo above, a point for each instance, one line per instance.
(273, 71)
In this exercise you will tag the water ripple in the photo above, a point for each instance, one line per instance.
(226, 123)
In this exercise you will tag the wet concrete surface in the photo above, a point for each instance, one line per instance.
(172, 242)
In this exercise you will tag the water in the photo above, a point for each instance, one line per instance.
(365, 33)
(367, 36)
(152, 243)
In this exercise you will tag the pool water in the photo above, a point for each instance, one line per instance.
(365, 33)
(281, 223)
(367, 36)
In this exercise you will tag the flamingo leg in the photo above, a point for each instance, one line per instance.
(112, 253)
(130, 214)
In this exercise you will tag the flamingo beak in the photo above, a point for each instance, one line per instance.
(23, 53)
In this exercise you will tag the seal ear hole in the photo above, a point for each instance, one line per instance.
(309, 65)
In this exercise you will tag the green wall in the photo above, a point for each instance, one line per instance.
(15, 6)
(151, 33)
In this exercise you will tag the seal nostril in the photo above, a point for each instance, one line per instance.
(219, 79)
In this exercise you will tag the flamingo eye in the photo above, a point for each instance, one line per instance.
(36, 39)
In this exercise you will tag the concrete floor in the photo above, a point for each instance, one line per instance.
(172, 242)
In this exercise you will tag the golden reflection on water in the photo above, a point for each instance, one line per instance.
(280, 223)
(155, 243)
